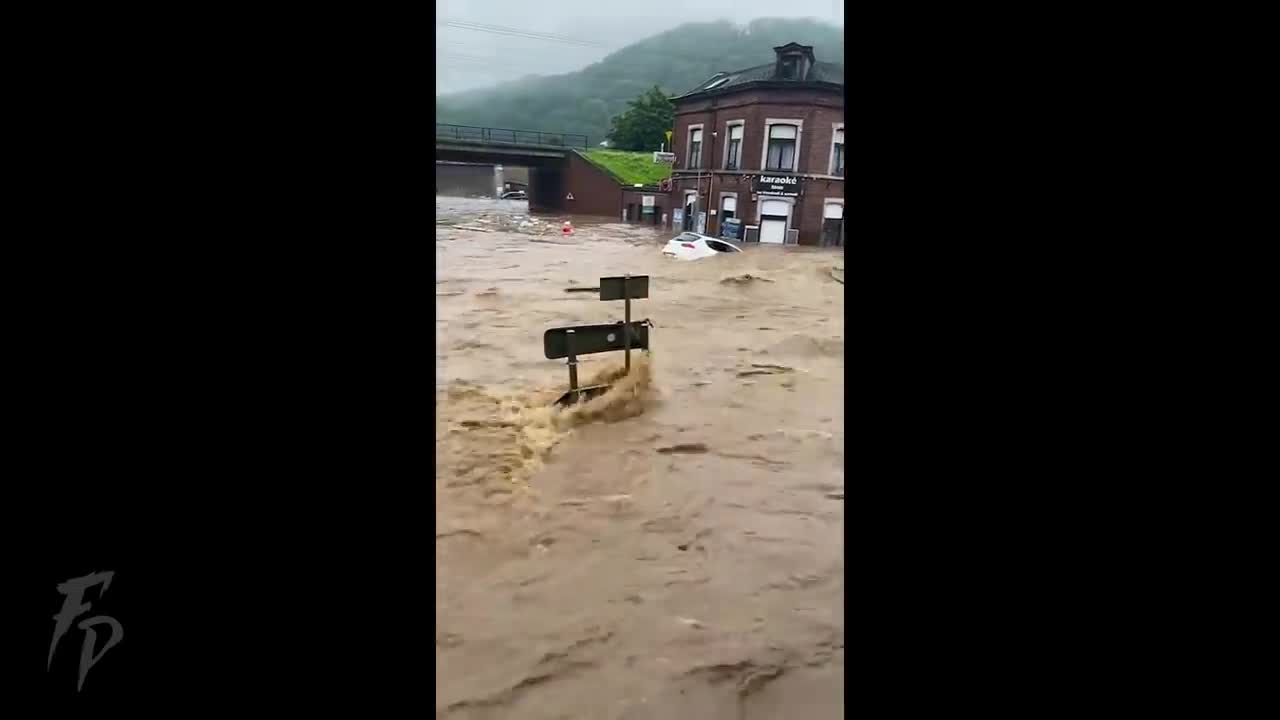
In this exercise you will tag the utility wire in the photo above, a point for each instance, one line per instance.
(502, 29)
(516, 32)
(522, 50)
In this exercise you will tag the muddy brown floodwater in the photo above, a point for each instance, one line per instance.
(673, 549)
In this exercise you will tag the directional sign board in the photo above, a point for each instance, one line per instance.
(590, 339)
(637, 287)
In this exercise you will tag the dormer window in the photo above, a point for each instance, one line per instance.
(794, 61)
(790, 68)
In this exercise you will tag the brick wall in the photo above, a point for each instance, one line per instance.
(594, 191)
(818, 111)
(661, 202)
(806, 213)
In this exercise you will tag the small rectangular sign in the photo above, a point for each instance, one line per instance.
(785, 185)
(637, 288)
(664, 157)
(591, 339)
(646, 200)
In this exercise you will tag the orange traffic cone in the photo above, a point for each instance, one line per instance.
(566, 229)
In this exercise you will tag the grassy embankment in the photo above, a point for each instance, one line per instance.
(628, 167)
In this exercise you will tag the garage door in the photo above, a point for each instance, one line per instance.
(773, 221)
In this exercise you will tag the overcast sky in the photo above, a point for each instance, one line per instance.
(477, 57)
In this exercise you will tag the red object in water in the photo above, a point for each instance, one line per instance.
(566, 229)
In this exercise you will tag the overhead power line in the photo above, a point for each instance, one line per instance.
(502, 29)
(516, 32)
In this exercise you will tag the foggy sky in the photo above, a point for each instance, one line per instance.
(467, 59)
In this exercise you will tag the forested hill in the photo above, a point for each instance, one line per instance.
(676, 60)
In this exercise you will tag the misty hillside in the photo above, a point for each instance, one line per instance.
(676, 60)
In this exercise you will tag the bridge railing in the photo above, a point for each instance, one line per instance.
(504, 135)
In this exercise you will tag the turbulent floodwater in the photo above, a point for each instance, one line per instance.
(671, 550)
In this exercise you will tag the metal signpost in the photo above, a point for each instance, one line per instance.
(570, 342)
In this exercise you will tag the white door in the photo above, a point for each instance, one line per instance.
(773, 231)
(773, 222)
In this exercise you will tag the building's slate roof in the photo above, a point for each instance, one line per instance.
(819, 72)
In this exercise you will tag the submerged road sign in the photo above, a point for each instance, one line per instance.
(570, 342)
(636, 287)
(591, 339)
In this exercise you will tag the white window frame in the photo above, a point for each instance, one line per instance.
(728, 131)
(688, 146)
(791, 208)
(831, 160)
(684, 206)
(764, 146)
(720, 205)
(832, 201)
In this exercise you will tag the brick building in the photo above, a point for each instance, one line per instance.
(765, 145)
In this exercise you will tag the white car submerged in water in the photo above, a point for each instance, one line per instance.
(692, 246)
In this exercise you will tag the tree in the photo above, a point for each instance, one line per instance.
(645, 124)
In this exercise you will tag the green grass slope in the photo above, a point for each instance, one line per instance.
(629, 167)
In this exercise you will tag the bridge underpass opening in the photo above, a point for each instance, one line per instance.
(545, 155)
(545, 178)
(546, 189)
(458, 179)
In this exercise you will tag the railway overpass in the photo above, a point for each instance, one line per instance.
(546, 154)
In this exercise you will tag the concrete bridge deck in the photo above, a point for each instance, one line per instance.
(546, 154)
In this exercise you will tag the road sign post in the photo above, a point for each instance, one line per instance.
(587, 339)
(573, 360)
